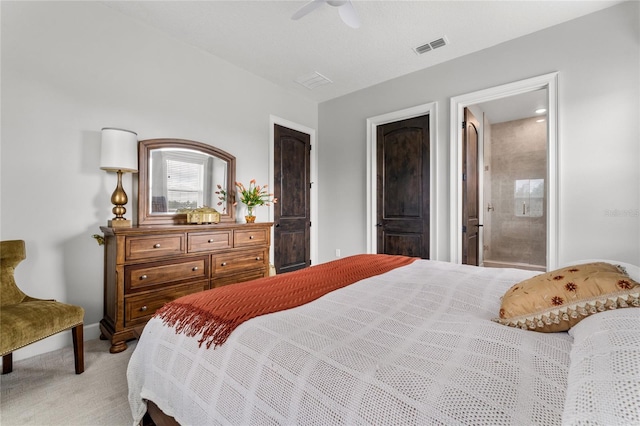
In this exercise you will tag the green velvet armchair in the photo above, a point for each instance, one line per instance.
(25, 320)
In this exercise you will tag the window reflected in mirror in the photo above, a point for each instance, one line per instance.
(177, 175)
(185, 179)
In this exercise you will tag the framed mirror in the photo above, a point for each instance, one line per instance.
(177, 174)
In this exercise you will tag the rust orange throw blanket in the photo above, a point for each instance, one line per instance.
(216, 313)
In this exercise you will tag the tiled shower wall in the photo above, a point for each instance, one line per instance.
(517, 150)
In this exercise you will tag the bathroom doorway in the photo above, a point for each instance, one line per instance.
(514, 168)
(529, 185)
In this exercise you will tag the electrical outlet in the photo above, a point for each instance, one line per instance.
(338, 253)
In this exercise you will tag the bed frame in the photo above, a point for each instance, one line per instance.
(156, 417)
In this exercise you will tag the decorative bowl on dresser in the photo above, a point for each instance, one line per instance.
(148, 266)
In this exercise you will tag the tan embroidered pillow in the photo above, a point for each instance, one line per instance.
(558, 300)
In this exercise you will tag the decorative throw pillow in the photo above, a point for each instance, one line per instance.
(558, 300)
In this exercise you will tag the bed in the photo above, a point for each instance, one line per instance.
(418, 344)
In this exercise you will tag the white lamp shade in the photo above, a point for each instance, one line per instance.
(119, 150)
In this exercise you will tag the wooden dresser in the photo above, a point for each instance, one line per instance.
(148, 266)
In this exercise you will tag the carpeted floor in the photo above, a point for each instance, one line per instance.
(44, 390)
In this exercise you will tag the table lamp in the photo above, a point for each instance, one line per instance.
(119, 153)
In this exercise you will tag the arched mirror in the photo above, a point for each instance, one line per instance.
(178, 174)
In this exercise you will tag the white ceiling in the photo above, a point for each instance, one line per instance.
(515, 107)
(260, 37)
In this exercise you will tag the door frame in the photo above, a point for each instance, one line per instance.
(273, 120)
(458, 103)
(430, 108)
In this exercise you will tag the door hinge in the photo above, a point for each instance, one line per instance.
(464, 177)
(464, 124)
(309, 224)
(464, 228)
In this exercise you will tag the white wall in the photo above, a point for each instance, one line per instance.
(71, 68)
(598, 58)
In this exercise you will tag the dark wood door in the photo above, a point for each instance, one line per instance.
(292, 188)
(470, 208)
(403, 187)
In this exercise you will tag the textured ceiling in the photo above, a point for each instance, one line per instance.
(260, 37)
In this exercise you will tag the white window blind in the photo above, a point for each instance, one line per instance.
(184, 184)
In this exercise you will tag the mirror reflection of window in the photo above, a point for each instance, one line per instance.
(184, 179)
(184, 185)
(529, 197)
(169, 172)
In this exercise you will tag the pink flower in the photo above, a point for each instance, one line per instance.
(254, 195)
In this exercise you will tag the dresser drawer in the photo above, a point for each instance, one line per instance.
(147, 275)
(250, 237)
(220, 281)
(207, 241)
(139, 308)
(154, 246)
(238, 261)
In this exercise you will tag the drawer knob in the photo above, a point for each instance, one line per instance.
(144, 308)
(251, 237)
(156, 245)
(223, 264)
(210, 241)
(143, 277)
(258, 258)
(195, 268)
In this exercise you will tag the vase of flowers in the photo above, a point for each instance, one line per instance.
(254, 196)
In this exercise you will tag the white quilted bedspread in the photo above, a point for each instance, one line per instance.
(413, 346)
(604, 377)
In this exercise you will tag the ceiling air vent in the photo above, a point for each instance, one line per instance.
(423, 49)
(313, 80)
(431, 45)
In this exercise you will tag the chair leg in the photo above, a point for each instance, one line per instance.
(7, 363)
(78, 348)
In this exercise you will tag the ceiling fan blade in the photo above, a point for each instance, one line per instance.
(307, 8)
(349, 14)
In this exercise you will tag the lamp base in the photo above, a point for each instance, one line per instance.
(123, 223)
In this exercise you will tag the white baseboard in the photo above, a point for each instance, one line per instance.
(55, 342)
